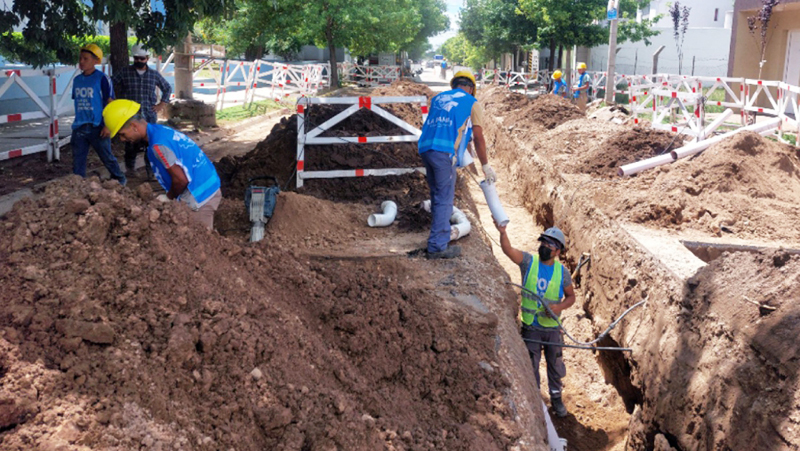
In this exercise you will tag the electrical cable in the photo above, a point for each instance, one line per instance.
(587, 348)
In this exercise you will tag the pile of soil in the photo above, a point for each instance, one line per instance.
(547, 111)
(126, 326)
(747, 183)
(629, 146)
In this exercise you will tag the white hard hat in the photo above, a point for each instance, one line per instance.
(138, 50)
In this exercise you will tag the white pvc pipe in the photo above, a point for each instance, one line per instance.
(389, 209)
(460, 226)
(495, 206)
(717, 122)
(639, 166)
(695, 148)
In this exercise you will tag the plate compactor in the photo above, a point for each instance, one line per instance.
(260, 203)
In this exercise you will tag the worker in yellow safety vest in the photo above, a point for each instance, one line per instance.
(544, 275)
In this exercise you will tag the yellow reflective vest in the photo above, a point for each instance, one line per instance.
(533, 312)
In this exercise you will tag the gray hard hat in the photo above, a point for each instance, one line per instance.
(556, 234)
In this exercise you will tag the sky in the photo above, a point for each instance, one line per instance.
(453, 7)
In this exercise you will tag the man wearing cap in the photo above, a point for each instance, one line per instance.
(559, 87)
(91, 91)
(138, 82)
(181, 168)
(454, 117)
(581, 90)
(544, 275)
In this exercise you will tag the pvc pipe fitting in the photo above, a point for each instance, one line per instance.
(460, 226)
(493, 200)
(389, 209)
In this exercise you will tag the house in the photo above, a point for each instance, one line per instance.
(782, 56)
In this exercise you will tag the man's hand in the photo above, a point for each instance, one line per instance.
(159, 107)
(105, 132)
(489, 174)
(501, 229)
(162, 198)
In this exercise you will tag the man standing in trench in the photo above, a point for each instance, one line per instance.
(544, 275)
(180, 167)
(455, 116)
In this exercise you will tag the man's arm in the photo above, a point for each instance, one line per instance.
(569, 299)
(514, 254)
(480, 144)
(180, 182)
(164, 86)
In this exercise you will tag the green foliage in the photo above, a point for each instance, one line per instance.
(48, 25)
(73, 43)
(458, 50)
(496, 26)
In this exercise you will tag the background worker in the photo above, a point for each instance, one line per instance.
(581, 90)
(443, 74)
(91, 91)
(454, 117)
(138, 82)
(181, 168)
(559, 87)
(544, 275)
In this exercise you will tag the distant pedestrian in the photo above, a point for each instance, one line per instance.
(138, 82)
(92, 91)
(181, 168)
(443, 75)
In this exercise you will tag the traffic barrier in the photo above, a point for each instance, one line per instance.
(312, 137)
(368, 75)
(789, 97)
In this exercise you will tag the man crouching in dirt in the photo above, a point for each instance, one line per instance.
(454, 117)
(544, 275)
(179, 165)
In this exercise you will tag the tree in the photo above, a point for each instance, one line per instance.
(434, 21)
(460, 51)
(680, 23)
(760, 23)
(48, 26)
(496, 27)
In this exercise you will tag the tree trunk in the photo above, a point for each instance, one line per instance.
(118, 41)
(332, 50)
(560, 53)
(551, 65)
(183, 68)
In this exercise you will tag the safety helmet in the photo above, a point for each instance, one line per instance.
(94, 49)
(557, 75)
(139, 50)
(117, 113)
(464, 74)
(582, 66)
(556, 234)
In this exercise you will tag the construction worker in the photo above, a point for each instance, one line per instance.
(581, 90)
(559, 87)
(138, 82)
(92, 91)
(443, 74)
(455, 117)
(181, 168)
(544, 275)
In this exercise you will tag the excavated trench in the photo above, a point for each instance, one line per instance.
(711, 366)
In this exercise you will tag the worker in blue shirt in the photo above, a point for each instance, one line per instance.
(581, 90)
(559, 87)
(92, 91)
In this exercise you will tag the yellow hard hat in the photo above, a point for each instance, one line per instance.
(464, 74)
(557, 75)
(581, 65)
(117, 113)
(93, 49)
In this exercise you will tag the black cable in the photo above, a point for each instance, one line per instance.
(588, 348)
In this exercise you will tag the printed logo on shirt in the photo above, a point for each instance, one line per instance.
(541, 286)
(83, 99)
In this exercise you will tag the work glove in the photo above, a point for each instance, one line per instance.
(488, 174)
(162, 198)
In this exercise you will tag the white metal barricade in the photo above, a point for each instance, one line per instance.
(753, 90)
(311, 137)
(789, 97)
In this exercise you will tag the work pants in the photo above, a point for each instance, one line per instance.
(205, 214)
(131, 150)
(88, 135)
(440, 168)
(556, 369)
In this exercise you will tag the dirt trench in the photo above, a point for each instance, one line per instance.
(712, 365)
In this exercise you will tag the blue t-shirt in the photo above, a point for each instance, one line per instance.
(91, 93)
(581, 83)
(559, 87)
(545, 274)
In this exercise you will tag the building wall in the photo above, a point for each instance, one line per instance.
(708, 46)
(746, 49)
(701, 14)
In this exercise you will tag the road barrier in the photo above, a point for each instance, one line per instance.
(368, 75)
(311, 137)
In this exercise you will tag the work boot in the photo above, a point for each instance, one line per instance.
(558, 407)
(450, 252)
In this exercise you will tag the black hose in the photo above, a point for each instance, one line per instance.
(588, 348)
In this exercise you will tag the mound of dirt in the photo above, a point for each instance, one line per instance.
(125, 326)
(547, 111)
(626, 147)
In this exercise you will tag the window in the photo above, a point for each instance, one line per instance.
(716, 14)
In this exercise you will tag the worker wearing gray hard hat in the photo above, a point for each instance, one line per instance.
(544, 275)
(138, 82)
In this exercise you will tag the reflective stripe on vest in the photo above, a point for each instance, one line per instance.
(533, 312)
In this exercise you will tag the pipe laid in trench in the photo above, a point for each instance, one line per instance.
(389, 209)
(459, 224)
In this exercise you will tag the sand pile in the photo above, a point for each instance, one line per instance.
(629, 146)
(124, 326)
(547, 111)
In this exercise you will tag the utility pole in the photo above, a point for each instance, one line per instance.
(613, 7)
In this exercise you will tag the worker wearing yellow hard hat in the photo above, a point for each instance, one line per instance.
(559, 86)
(581, 89)
(91, 91)
(454, 119)
(180, 167)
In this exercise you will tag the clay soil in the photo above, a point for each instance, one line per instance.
(712, 365)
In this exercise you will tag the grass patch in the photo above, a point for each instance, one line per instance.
(236, 114)
(791, 139)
